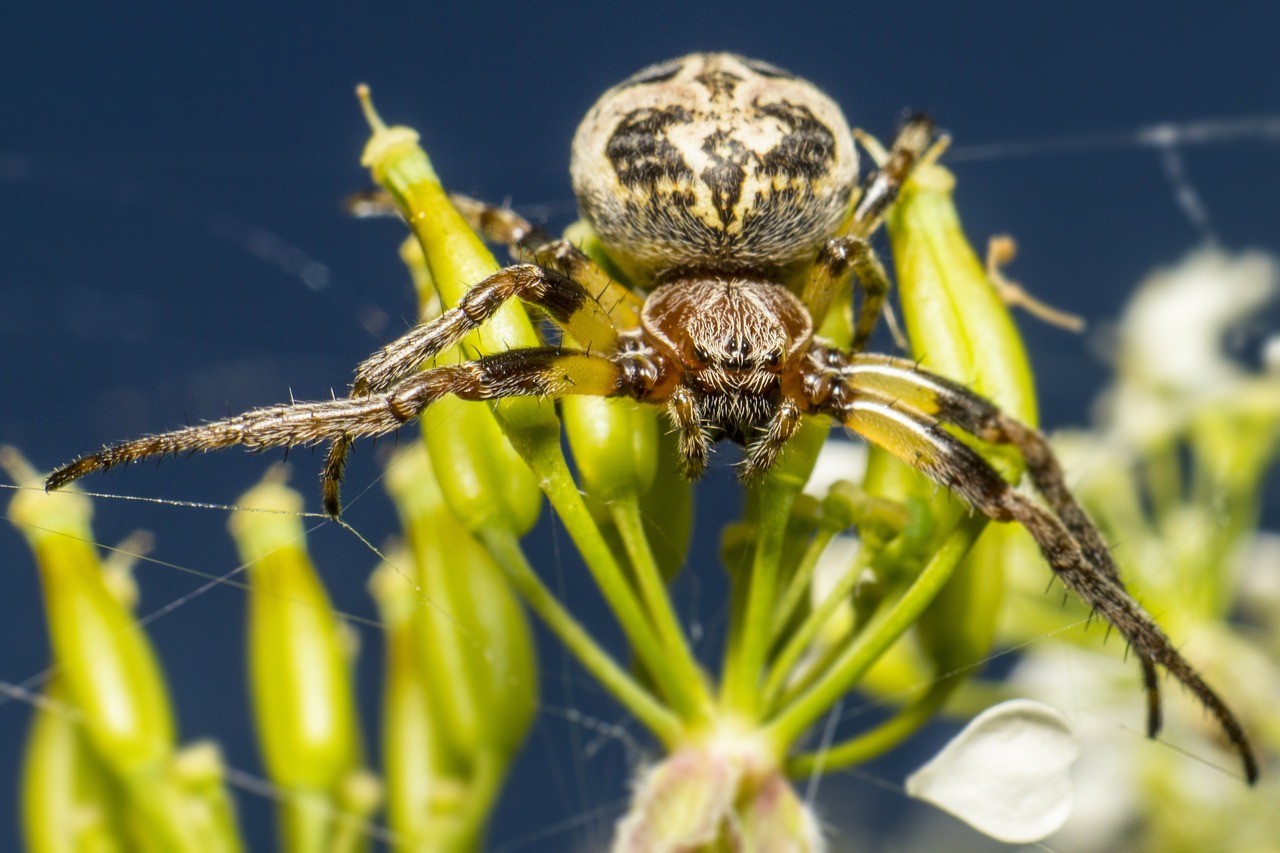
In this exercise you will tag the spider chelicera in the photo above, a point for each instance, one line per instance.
(727, 191)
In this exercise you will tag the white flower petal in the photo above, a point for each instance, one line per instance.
(1006, 774)
(839, 459)
(1172, 332)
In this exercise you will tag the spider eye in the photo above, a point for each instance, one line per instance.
(773, 360)
(696, 356)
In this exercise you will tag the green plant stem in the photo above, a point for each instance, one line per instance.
(880, 739)
(798, 642)
(798, 586)
(461, 830)
(505, 548)
(750, 639)
(889, 623)
(626, 516)
(541, 450)
(306, 820)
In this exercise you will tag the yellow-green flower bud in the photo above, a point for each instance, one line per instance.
(957, 323)
(473, 641)
(359, 796)
(668, 508)
(456, 255)
(199, 770)
(483, 477)
(106, 664)
(414, 757)
(614, 443)
(298, 666)
(110, 670)
(69, 803)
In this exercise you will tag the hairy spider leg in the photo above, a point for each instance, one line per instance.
(564, 300)
(764, 452)
(904, 410)
(524, 241)
(901, 379)
(876, 197)
(506, 227)
(539, 371)
(838, 259)
(913, 142)
(691, 434)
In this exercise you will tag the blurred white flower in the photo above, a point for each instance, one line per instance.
(1260, 578)
(1171, 341)
(1172, 334)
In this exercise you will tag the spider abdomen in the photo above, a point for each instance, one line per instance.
(713, 161)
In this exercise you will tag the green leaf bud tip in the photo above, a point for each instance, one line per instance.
(41, 515)
(389, 144)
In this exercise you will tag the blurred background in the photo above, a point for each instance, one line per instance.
(174, 248)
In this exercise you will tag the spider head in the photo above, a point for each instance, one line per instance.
(713, 161)
(728, 335)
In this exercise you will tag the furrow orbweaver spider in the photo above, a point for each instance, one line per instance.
(727, 191)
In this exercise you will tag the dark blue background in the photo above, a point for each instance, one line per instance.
(150, 156)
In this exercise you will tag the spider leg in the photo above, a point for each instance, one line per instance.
(881, 185)
(840, 257)
(501, 225)
(852, 253)
(543, 372)
(901, 379)
(987, 422)
(686, 415)
(332, 474)
(904, 410)
(764, 452)
(564, 300)
(524, 240)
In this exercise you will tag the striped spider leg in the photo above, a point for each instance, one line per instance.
(571, 289)
(910, 412)
(565, 301)
(540, 371)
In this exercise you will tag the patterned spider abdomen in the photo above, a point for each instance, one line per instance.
(713, 162)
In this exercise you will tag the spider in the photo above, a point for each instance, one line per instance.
(727, 190)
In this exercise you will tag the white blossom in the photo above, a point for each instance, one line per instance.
(1007, 774)
(1172, 340)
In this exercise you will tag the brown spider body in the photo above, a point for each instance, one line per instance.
(731, 348)
(727, 190)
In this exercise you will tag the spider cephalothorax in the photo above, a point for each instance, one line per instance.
(726, 189)
(726, 345)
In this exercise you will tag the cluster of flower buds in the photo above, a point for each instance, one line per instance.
(103, 770)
